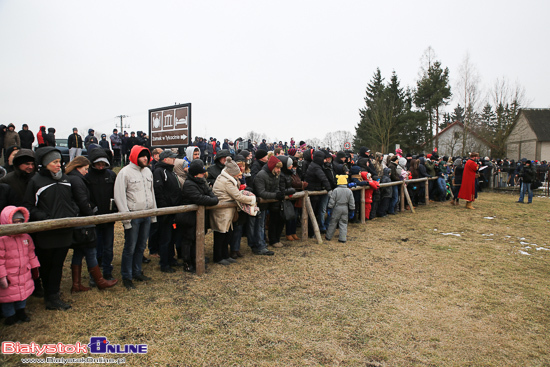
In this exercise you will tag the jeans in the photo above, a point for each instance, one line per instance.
(526, 186)
(322, 211)
(8, 309)
(80, 252)
(105, 239)
(394, 199)
(235, 242)
(74, 152)
(256, 231)
(135, 241)
(442, 188)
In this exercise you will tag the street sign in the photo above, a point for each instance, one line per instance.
(170, 126)
(347, 146)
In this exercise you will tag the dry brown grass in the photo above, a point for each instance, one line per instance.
(398, 293)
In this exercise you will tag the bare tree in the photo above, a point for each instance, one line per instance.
(255, 136)
(468, 95)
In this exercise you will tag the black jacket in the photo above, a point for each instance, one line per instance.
(167, 189)
(213, 172)
(266, 186)
(102, 184)
(18, 181)
(54, 200)
(196, 191)
(255, 168)
(7, 196)
(75, 141)
(81, 194)
(27, 138)
(528, 174)
(315, 176)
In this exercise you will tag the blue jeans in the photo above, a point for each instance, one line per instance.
(89, 252)
(321, 211)
(526, 187)
(236, 235)
(394, 199)
(256, 231)
(8, 309)
(442, 188)
(105, 239)
(135, 241)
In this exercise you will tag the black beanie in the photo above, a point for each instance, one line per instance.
(196, 167)
(260, 153)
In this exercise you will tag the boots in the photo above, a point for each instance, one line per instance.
(54, 302)
(469, 205)
(77, 280)
(295, 236)
(290, 238)
(98, 278)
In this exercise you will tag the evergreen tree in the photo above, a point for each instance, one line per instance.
(458, 114)
(433, 92)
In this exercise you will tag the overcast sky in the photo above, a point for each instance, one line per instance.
(284, 68)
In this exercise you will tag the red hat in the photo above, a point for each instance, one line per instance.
(428, 155)
(274, 162)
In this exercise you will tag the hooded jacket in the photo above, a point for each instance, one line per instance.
(19, 180)
(47, 198)
(266, 186)
(167, 186)
(16, 260)
(196, 191)
(102, 183)
(11, 138)
(90, 139)
(315, 176)
(134, 187)
(41, 137)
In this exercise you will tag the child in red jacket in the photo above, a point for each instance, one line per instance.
(18, 267)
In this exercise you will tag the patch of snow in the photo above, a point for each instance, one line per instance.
(507, 236)
(542, 248)
(490, 234)
(489, 217)
(522, 238)
(524, 243)
(451, 234)
(524, 253)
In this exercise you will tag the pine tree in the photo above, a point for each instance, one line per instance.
(458, 114)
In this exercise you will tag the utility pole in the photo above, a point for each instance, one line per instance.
(121, 123)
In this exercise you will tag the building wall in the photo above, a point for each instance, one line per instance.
(544, 151)
(450, 143)
(522, 142)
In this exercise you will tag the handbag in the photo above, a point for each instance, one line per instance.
(84, 235)
(287, 207)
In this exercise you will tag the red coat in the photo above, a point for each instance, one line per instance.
(468, 187)
(17, 258)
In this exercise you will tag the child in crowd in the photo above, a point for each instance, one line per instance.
(18, 267)
(341, 200)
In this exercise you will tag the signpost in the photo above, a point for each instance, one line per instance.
(170, 126)
(347, 146)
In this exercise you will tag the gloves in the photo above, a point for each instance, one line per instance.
(35, 273)
(352, 214)
(242, 187)
(127, 225)
(352, 184)
(280, 195)
(290, 191)
(329, 212)
(4, 282)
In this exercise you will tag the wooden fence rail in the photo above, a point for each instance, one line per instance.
(307, 211)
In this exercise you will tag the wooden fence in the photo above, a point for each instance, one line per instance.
(307, 211)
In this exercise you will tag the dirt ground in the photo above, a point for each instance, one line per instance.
(442, 287)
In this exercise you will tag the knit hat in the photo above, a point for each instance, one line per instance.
(196, 167)
(363, 151)
(102, 159)
(260, 153)
(231, 167)
(292, 151)
(222, 153)
(245, 153)
(354, 170)
(342, 179)
(50, 157)
(274, 162)
(340, 155)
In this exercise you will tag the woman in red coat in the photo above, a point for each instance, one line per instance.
(468, 187)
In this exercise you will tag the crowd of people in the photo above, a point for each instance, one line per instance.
(39, 186)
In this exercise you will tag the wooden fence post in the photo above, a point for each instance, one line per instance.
(313, 220)
(199, 241)
(427, 192)
(304, 217)
(362, 205)
(402, 196)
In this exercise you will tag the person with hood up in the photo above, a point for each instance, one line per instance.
(49, 196)
(216, 169)
(386, 194)
(457, 180)
(195, 191)
(50, 137)
(41, 137)
(226, 188)
(103, 142)
(102, 193)
(18, 266)
(23, 170)
(468, 186)
(134, 191)
(341, 206)
(90, 138)
(76, 170)
(26, 136)
(10, 154)
(11, 138)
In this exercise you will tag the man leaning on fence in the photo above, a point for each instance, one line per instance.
(134, 191)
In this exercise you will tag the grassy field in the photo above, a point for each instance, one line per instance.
(443, 287)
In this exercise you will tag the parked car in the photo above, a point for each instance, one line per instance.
(63, 146)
